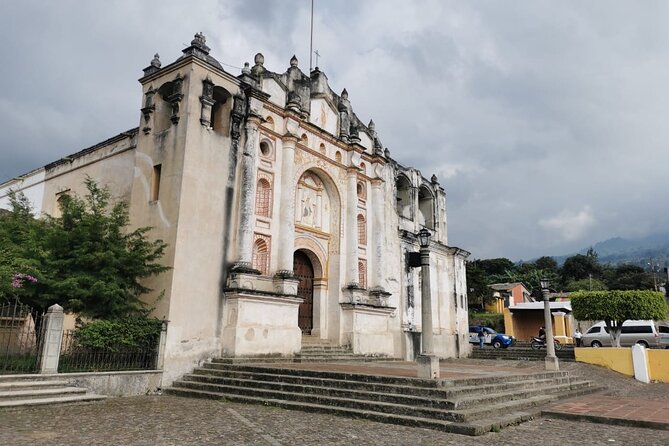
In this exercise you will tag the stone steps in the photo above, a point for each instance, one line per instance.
(31, 390)
(471, 406)
(520, 353)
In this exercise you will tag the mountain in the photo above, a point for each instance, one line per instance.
(641, 251)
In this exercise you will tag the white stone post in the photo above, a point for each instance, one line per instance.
(551, 361)
(378, 230)
(428, 363)
(287, 211)
(52, 337)
(351, 229)
(160, 354)
(248, 191)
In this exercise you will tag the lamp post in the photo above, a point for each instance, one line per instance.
(551, 360)
(428, 363)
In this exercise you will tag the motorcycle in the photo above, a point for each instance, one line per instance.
(539, 343)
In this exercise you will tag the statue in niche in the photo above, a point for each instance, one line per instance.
(313, 203)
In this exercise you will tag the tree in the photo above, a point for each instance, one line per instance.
(86, 260)
(547, 264)
(580, 266)
(615, 307)
(628, 277)
(586, 285)
(477, 286)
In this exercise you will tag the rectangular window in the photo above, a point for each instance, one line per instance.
(155, 183)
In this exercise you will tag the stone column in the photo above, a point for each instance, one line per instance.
(427, 362)
(287, 211)
(52, 336)
(378, 231)
(352, 226)
(248, 192)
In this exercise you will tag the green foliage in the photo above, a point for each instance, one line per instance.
(119, 334)
(547, 264)
(616, 306)
(492, 320)
(86, 260)
(586, 285)
(628, 277)
(581, 267)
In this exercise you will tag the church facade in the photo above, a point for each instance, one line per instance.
(285, 216)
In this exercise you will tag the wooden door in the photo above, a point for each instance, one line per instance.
(305, 272)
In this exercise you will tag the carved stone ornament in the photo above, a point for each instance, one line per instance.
(175, 98)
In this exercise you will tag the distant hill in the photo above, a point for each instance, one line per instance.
(637, 251)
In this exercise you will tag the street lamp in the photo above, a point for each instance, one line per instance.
(428, 363)
(551, 360)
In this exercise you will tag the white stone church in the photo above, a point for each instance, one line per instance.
(285, 216)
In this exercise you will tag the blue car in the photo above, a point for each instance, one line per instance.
(497, 340)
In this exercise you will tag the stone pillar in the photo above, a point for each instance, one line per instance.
(287, 210)
(248, 192)
(160, 354)
(52, 336)
(428, 363)
(351, 228)
(551, 361)
(378, 231)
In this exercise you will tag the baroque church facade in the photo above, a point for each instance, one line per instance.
(286, 219)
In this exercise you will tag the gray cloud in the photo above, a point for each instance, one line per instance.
(545, 122)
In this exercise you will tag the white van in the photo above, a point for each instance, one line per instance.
(647, 333)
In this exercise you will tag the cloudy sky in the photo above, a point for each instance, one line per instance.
(545, 121)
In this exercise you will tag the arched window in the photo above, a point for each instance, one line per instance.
(426, 207)
(361, 190)
(322, 148)
(260, 259)
(338, 157)
(220, 111)
(263, 197)
(362, 273)
(404, 201)
(304, 140)
(362, 230)
(269, 123)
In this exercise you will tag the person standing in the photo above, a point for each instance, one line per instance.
(577, 337)
(481, 336)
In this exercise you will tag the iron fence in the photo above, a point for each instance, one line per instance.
(77, 358)
(20, 335)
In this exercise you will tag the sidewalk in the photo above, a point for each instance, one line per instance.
(613, 410)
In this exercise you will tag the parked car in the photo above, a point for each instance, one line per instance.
(497, 340)
(646, 333)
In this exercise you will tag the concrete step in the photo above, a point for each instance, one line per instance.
(223, 375)
(31, 390)
(27, 385)
(369, 378)
(469, 405)
(52, 400)
(7, 395)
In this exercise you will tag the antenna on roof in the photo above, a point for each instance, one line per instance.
(311, 38)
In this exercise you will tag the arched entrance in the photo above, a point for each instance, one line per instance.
(304, 271)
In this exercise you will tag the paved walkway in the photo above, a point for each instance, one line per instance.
(614, 410)
(169, 420)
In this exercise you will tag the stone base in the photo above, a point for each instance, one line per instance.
(552, 364)
(428, 366)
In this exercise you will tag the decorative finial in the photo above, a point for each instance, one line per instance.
(344, 94)
(259, 59)
(155, 62)
(371, 126)
(200, 42)
(246, 69)
(434, 179)
(293, 61)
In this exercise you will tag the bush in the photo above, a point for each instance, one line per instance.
(119, 334)
(492, 320)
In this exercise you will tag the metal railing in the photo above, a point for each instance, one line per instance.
(77, 358)
(20, 329)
